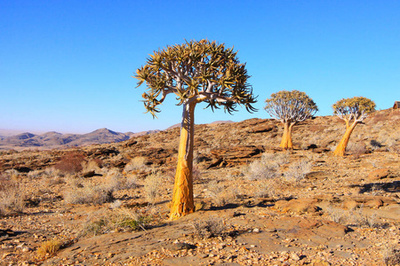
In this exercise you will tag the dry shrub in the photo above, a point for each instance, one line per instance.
(298, 170)
(152, 186)
(91, 165)
(136, 164)
(391, 256)
(49, 248)
(267, 167)
(267, 188)
(336, 215)
(88, 192)
(357, 149)
(97, 191)
(122, 219)
(13, 196)
(216, 191)
(212, 227)
(70, 163)
(354, 217)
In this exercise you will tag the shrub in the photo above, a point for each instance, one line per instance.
(219, 194)
(212, 227)
(267, 167)
(71, 163)
(137, 163)
(152, 186)
(12, 196)
(266, 188)
(357, 149)
(92, 165)
(85, 192)
(105, 221)
(298, 171)
(391, 256)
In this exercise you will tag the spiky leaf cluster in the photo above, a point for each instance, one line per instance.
(290, 106)
(203, 70)
(356, 108)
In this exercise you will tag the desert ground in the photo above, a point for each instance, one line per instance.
(107, 204)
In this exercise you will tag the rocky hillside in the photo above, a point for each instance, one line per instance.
(52, 140)
(107, 204)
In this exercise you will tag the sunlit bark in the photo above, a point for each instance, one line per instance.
(286, 142)
(341, 148)
(182, 199)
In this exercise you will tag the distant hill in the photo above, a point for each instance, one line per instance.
(12, 139)
(55, 140)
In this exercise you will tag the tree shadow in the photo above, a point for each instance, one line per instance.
(391, 187)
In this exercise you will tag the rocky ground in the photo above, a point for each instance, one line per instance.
(256, 205)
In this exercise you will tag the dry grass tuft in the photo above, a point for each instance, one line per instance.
(49, 248)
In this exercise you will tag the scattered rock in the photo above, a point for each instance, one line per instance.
(298, 205)
(379, 174)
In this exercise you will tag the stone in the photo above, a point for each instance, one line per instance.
(375, 203)
(379, 174)
(298, 205)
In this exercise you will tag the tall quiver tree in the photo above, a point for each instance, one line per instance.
(290, 107)
(352, 111)
(196, 71)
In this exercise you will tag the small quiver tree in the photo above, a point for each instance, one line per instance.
(352, 111)
(290, 107)
(195, 72)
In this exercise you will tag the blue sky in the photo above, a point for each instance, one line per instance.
(66, 66)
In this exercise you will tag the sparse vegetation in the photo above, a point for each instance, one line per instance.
(12, 194)
(298, 170)
(247, 184)
(152, 186)
(120, 219)
(211, 227)
(70, 163)
(49, 248)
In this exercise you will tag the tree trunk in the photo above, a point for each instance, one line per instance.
(341, 148)
(286, 142)
(182, 199)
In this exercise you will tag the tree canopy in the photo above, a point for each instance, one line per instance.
(356, 108)
(290, 106)
(203, 70)
(352, 111)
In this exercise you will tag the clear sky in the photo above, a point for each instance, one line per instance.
(66, 66)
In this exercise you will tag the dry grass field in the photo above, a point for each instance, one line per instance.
(255, 204)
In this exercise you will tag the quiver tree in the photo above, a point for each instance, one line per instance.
(196, 71)
(290, 107)
(352, 111)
